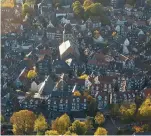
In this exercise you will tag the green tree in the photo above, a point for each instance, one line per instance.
(92, 106)
(95, 9)
(40, 124)
(99, 118)
(115, 109)
(78, 127)
(100, 131)
(51, 132)
(61, 124)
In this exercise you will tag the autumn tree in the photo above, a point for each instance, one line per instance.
(23, 122)
(78, 9)
(100, 131)
(77, 93)
(137, 129)
(144, 112)
(87, 3)
(69, 133)
(127, 111)
(78, 127)
(51, 132)
(40, 124)
(61, 124)
(89, 123)
(99, 118)
(31, 74)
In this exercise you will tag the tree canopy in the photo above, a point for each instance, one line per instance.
(40, 124)
(78, 127)
(99, 118)
(51, 132)
(61, 124)
(77, 93)
(144, 111)
(23, 122)
(127, 111)
(100, 131)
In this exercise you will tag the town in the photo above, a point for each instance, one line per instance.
(79, 67)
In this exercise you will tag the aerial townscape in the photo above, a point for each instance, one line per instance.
(75, 67)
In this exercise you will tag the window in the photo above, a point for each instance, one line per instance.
(85, 100)
(78, 99)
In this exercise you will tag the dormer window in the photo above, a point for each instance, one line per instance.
(73, 99)
(109, 86)
(55, 102)
(105, 98)
(105, 86)
(66, 101)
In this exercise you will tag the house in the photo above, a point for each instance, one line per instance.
(93, 23)
(102, 100)
(128, 9)
(43, 65)
(76, 84)
(68, 49)
(60, 66)
(78, 103)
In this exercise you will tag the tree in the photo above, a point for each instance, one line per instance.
(131, 2)
(69, 133)
(61, 124)
(78, 9)
(51, 132)
(31, 74)
(78, 127)
(25, 9)
(23, 122)
(127, 111)
(2, 119)
(99, 118)
(87, 3)
(115, 109)
(95, 9)
(92, 107)
(137, 129)
(77, 93)
(144, 112)
(103, 2)
(100, 131)
(40, 124)
(89, 123)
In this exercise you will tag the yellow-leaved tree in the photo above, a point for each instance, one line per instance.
(78, 127)
(127, 111)
(51, 132)
(31, 74)
(23, 122)
(100, 131)
(40, 124)
(144, 112)
(99, 118)
(77, 93)
(61, 124)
